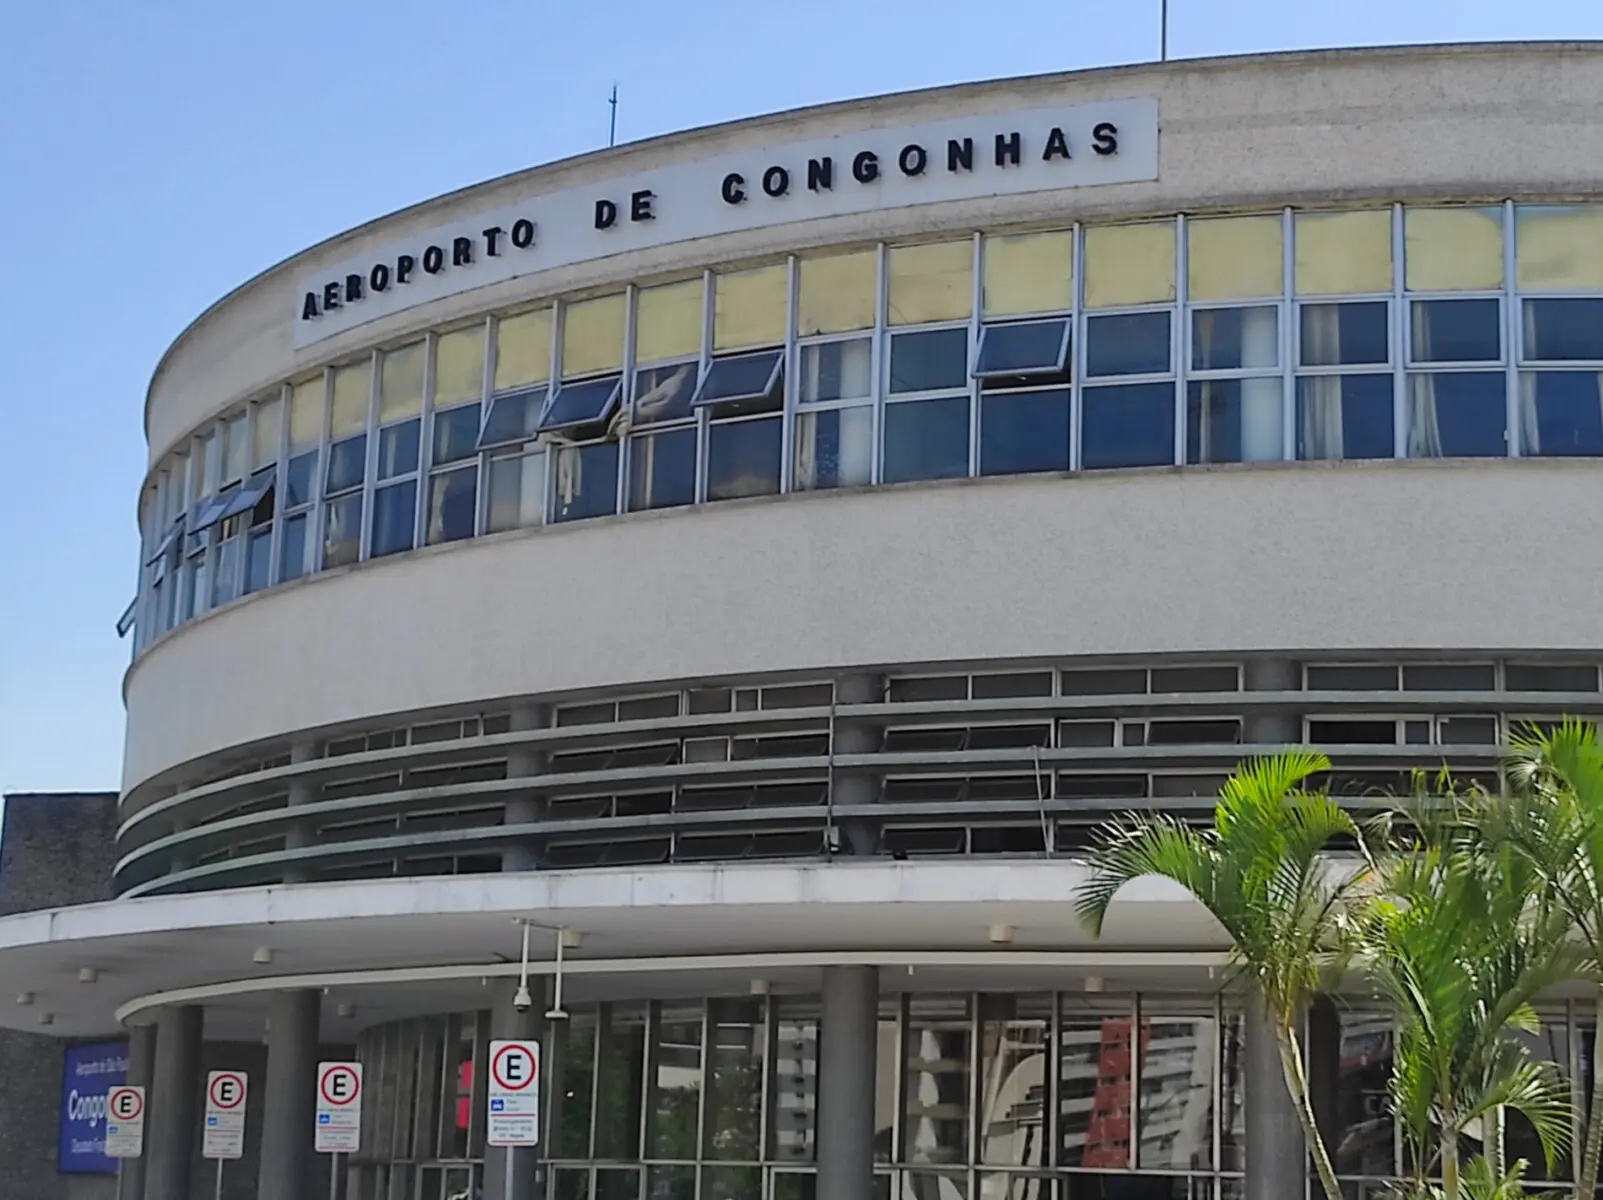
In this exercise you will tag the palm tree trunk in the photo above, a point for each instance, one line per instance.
(1297, 1085)
(1450, 1164)
(1586, 1181)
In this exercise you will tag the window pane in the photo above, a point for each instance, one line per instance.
(1023, 348)
(516, 492)
(741, 377)
(1458, 415)
(294, 553)
(1344, 416)
(1366, 1141)
(676, 1084)
(1345, 334)
(1127, 344)
(351, 386)
(269, 417)
(394, 518)
(225, 573)
(456, 433)
(1234, 257)
(1343, 253)
(1094, 1091)
(837, 370)
(1234, 420)
(837, 294)
(258, 555)
(522, 349)
(1127, 426)
(622, 1033)
(743, 458)
(513, 417)
(592, 335)
(1229, 339)
(306, 414)
(453, 503)
(1563, 330)
(670, 1183)
(750, 308)
(578, 404)
(572, 1079)
(662, 469)
(1232, 1095)
(834, 448)
(586, 481)
(236, 455)
(733, 1123)
(400, 382)
(664, 393)
(342, 531)
(1029, 273)
(459, 366)
(1024, 431)
(926, 439)
(347, 464)
(1558, 247)
(1453, 249)
(928, 361)
(1015, 1079)
(1176, 1106)
(1129, 264)
(1456, 331)
(933, 282)
(936, 1109)
(668, 321)
(793, 1112)
(1561, 413)
(397, 449)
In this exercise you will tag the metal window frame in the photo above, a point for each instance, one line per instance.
(702, 401)
(1066, 320)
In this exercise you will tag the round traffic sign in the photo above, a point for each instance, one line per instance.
(340, 1085)
(126, 1104)
(512, 1067)
(227, 1090)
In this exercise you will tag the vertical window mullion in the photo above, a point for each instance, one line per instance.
(1077, 350)
(1180, 335)
(790, 382)
(709, 317)
(317, 515)
(370, 466)
(1397, 335)
(1288, 337)
(1513, 333)
(975, 325)
(1137, 1039)
(881, 360)
(425, 442)
(275, 552)
(481, 499)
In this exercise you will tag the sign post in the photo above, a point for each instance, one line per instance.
(514, 1100)
(125, 1123)
(339, 1115)
(224, 1135)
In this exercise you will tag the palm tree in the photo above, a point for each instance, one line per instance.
(1557, 824)
(1259, 869)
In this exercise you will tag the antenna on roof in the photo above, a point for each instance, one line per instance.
(1163, 37)
(612, 133)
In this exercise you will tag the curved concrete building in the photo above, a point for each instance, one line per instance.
(759, 557)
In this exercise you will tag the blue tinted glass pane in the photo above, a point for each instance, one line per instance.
(347, 462)
(743, 458)
(456, 433)
(512, 417)
(1456, 331)
(586, 481)
(1234, 420)
(835, 448)
(1127, 344)
(453, 502)
(394, 518)
(1563, 414)
(1344, 416)
(662, 469)
(1227, 339)
(664, 393)
(1024, 431)
(397, 449)
(743, 377)
(1030, 347)
(257, 558)
(1458, 415)
(926, 439)
(1127, 426)
(342, 531)
(1560, 330)
(299, 479)
(1345, 334)
(294, 564)
(929, 361)
(581, 404)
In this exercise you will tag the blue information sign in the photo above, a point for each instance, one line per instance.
(91, 1071)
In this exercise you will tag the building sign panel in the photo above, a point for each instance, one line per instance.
(223, 1135)
(90, 1073)
(125, 1122)
(513, 1096)
(1034, 150)
(339, 1108)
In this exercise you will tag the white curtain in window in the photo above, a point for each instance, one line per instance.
(1424, 422)
(1321, 395)
(854, 449)
(1261, 399)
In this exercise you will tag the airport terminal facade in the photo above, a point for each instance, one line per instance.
(759, 557)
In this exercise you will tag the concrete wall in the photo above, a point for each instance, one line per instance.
(56, 850)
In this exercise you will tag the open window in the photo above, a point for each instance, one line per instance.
(512, 417)
(578, 405)
(1024, 352)
(209, 511)
(743, 382)
(167, 549)
(257, 488)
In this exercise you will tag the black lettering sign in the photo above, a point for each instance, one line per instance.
(776, 181)
(492, 237)
(865, 167)
(331, 296)
(523, 233)
(404, 266)
(353, 287)
(1008, 149)
(1057, 146)
(734, 189)
(820, 174)
(433, 260)
(309, 306)
(913, 159)
(606, 214)
(640, 206)
(960, 155)
(378, 279)
(461, 252)
(1105, 138)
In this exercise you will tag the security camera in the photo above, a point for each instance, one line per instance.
(521, 1000)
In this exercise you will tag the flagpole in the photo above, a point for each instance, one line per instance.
(1163, 37)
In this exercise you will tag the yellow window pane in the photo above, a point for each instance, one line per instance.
(200, 476)
(592, 335)
(1129, 264)
(349, 411)
(837, 294)
(400, 383)
(750, 307)
(523, 349)
(1558, 247)
(1453, 249)
(236, 448)
(269, 424)
(668, 321)
(306, 414)
(1028, 273)
(1234, 258)
(1342, 253)
(930, 283)
(459, 366)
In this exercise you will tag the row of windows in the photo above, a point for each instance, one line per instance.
(1300, 335)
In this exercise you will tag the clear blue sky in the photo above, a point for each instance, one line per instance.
(156, 154)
